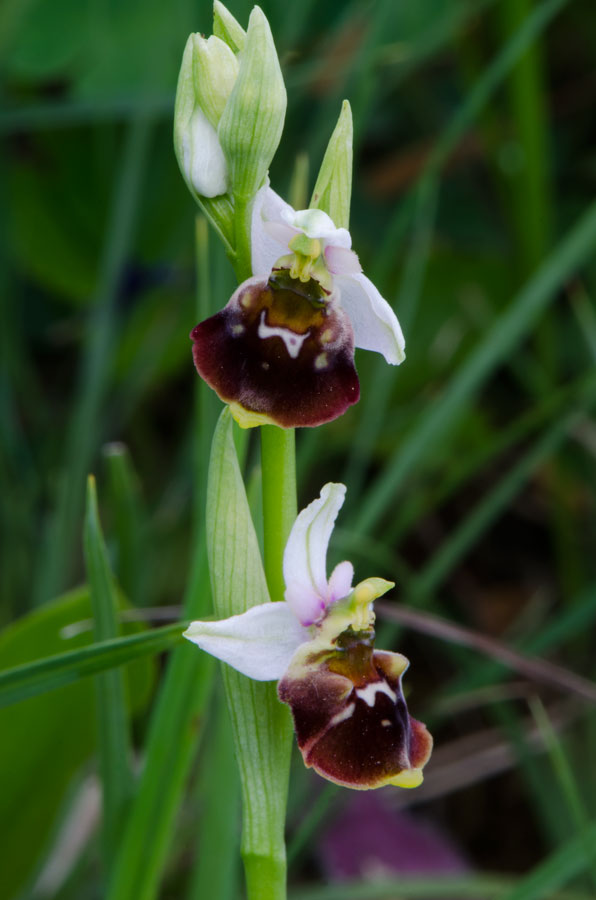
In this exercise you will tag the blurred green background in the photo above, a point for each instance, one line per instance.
(470, 469)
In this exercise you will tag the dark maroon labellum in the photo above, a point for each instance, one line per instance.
(351, 718)
(282, 349)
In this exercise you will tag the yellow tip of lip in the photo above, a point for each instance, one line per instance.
(247, 419)
(409, 778)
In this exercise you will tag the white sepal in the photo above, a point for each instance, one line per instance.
(374, 322)
(305, 565)
(259, 643)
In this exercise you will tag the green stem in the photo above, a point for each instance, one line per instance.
(242, 256)
(278, 461)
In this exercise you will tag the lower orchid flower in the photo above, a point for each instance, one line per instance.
(346, 698)
(282, 350)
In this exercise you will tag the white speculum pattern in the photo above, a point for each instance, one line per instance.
(369, 693)
(343, 715)
(292, 340)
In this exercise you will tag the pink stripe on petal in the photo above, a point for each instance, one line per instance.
(340, 583)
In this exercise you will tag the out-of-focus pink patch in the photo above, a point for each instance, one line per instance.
(371, 841)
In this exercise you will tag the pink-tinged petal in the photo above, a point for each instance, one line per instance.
(266, 249)
(340, 583)
(317, 224)
(281, 233)
(341, 261)
(350, 715)
(374, 322)
(281, 352)
(259, 643)
(305, 557)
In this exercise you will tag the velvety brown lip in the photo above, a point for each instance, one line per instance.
(280, 348)
(351, 718)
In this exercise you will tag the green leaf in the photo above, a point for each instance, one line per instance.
(46, 739)
(260, 722)
(112, 719)
(47, 674)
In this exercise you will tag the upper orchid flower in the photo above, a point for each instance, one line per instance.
(282, 350)
(349, 711)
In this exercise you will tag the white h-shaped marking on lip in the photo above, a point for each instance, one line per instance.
(369, 693)
(292, 341)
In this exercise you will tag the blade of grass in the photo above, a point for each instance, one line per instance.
(556, 870)
(175, 724)
(83, 112)
(374, 414)
(565, 627)
(84, 429)
(469, 532)
(567, 781)
(113, 726)
(125, 505)
(217, 870)
(462, 470)
(476, 101)
(34, 678)
(486, 886)
(507, 332)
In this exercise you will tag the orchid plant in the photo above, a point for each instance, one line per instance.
(280, 354)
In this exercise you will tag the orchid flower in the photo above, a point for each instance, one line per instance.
(282, 349)
(346, 698)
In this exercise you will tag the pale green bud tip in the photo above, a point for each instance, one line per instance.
(252, 122)
(333, 188)
(215, 69)
(227, 28)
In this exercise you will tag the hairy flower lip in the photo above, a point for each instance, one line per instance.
(353, 726)
(281, 351)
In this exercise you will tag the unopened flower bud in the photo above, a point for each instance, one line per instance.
(252, 122)
(227, 28)
(215, 69)
(198, 151)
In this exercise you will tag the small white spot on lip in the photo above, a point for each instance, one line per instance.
(369, 693)
(292, 341)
